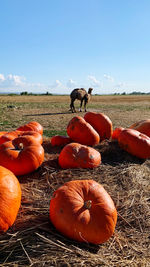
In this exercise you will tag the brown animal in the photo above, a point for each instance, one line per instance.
(82, 95)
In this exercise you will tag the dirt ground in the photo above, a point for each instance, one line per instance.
(33, 240)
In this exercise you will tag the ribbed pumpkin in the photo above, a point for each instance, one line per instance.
(75, 155)
(31, 126)
(8, 136)
(101, 123)
(135, 143)
(82, 210)
(60, 140)
(82, 132)
(21, 155)
(10, 198)
(142, 126)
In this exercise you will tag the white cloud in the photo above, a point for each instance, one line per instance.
(94, 81)
(120, 85)
(2, 77)
(16, 79)
(71, 83)
(109, 78)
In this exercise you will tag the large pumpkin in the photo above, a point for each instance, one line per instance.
(82, 132)
(10, 198)
(75, 155)
(21, 155)
(32, 126)
(101, 123)
(84, 211)
(135, 143)
(60, 140)
(142, 126)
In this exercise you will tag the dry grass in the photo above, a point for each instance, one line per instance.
(33, 241)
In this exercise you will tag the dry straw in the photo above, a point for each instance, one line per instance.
(33, 241)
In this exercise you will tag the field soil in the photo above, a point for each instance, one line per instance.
(33, 240)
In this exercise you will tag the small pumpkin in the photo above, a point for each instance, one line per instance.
(60, 140)
(142, 126)
(31, 126)
(83, 210)
(135, 143)
(75, 155)
(101, 123)
(82, 132)
(10, 198)
(22, 155)
(116, 133)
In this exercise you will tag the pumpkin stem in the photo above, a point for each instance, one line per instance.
(88, 204)
(20, 146)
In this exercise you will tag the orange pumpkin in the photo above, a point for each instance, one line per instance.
(101, 123)
(82, 210)
(32, 126)
(8, 136)
(75, 155)
(135, 143)
(142, 126)
(60, 140)
(82, 132)
(10, 198)
(36, 135)
(21, 155)
(116, 133)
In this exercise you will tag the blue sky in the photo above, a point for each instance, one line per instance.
(58, 45)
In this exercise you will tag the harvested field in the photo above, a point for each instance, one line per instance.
(33, 240)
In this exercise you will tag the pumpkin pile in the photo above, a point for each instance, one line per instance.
(81, 209)
(21, 151)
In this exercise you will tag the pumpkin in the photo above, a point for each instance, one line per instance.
(60, 140)
(22, 155)
(32, 126)
(135, 143)
(75, 155)
(82, 132)
(101, 123)
(36, 135)
(8, 136)
(10, 198)
(83, 210)
(116, 133)
(142, 126)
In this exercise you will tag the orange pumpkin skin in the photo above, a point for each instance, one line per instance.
(101, 123)
(116, 133)
(8, 136)
(60, 140)
(21, 155)
(82, 210)
(142, 126)
(75, 155)
(135, 143)
(2, 133)
(10, 198)
(82, 132)
(32, 126)
(37, 136)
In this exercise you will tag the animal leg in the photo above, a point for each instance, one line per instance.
(81, 105)
(72, 107)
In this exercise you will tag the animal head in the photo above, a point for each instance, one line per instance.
(90, 90)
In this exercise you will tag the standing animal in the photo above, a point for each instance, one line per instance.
(82, 95)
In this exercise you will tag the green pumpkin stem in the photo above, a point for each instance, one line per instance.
(88, 204)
